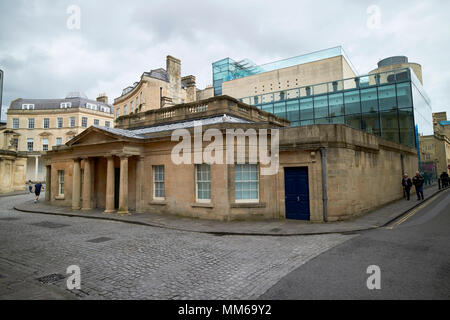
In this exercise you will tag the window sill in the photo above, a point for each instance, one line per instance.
(248, 205)
(158, 202)
(60, 197)
(202, 205)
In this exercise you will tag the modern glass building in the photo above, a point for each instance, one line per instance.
(228, 69)
(392, 105)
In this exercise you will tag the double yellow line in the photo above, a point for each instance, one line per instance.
(412, 213)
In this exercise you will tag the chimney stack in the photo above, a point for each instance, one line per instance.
(173, 68)
(102, 97)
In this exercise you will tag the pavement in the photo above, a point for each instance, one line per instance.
(412, 255)
(128, 261)
(372, 220)
(14, 193)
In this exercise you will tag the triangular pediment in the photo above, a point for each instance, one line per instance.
(93, 136)
(45, 134)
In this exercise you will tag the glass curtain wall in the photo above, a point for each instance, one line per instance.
(380, 104)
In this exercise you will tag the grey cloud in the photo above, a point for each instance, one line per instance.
(119, 40)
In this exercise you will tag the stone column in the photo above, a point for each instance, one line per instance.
(36, 167)
(109, 207)
(87, 185)
(76, 187)
(139, 184)
(48, 183)
(123, 191)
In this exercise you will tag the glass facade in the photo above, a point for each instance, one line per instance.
(392, 105)
(228, 69)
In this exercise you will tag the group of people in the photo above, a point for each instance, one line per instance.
(37, 189)
(417, 181)
(445, 182)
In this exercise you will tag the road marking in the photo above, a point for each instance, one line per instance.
(412, 213)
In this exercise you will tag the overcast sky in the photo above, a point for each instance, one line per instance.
(118, 40)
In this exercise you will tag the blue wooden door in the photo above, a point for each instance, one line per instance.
(296, 193)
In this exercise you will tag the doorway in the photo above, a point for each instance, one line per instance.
(296, 189)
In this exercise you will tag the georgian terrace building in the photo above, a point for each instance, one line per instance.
(156, 89)
(34, 126)
(326, 172)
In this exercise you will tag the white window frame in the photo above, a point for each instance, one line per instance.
(91, 106)
(202, 180)
(155, 181)
(117, 113)
(107, 124)
(131, 106)
(31, 121)
(30, 140)
(125, 110)
(83, 122)
(44, 144)
(249, 180)
(58, 141)
(60, 124)
(15, 123)
(61, 182)
(65, 105)
(97, 122)
(72, 122)
(28, 106)
(44, 122)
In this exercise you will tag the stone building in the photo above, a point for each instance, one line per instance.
(435, 149)
(12, 171)
(157, 89)
(326, 171)
(34, 126)
(323, 87)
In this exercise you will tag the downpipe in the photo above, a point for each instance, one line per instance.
(323, 155)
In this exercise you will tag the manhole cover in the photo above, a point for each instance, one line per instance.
(98, 240)
(51, 278)
(48, 224)
(9, 219)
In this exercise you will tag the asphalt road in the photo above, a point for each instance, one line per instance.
(413, 256)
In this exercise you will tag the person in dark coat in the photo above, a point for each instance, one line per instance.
(407, 184)
(418, 184)
(30, 186)
(444, 179)
(37, 191)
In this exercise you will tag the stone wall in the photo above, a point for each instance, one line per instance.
(12, 171)
(306, 74)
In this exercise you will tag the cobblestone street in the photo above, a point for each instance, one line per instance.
(126, 261)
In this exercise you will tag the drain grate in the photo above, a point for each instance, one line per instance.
(49, 224)
(101, 239)
(51, 278)
(9, 219)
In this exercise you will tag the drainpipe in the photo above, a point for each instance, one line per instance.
(160, 97)
(323, 153)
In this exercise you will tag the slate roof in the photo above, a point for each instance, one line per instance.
(47, 104)
(140, 133)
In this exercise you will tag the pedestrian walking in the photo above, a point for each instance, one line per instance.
(30, 186)
(37, 191)
(418, 184)
(407, 184)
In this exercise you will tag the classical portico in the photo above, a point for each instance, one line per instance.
(101, 170)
